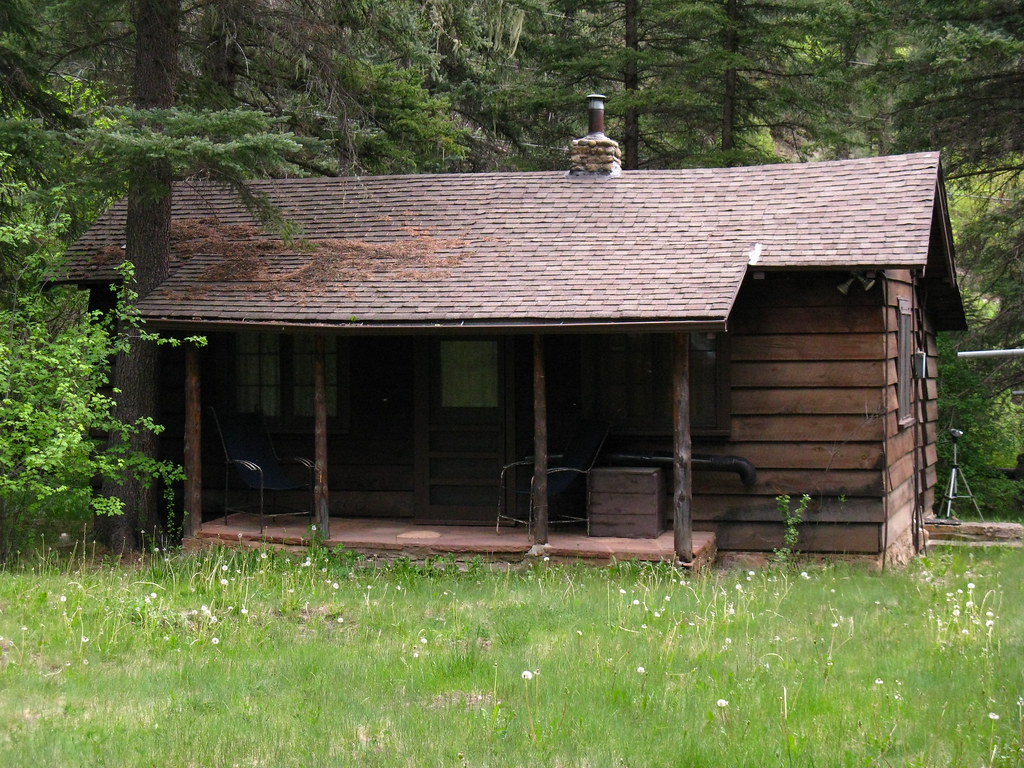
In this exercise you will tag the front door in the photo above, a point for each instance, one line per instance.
(461, 429)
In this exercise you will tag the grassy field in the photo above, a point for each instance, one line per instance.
(259, 659)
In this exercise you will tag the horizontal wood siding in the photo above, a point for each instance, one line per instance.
(810, 409)
(910, 444)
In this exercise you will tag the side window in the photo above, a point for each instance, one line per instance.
(904, 361)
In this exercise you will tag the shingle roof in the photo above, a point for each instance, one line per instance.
(525, 248)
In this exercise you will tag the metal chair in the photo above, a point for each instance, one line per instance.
(249, 449)
(574, 462)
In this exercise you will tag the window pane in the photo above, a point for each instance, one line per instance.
(629, 380)
(469, 374)
(904, 373)
(704, 379)
(257, 373)
(302, 375)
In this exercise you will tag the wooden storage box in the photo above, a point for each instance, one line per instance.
(626, 501)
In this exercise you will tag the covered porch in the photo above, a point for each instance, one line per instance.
(404, 538)
(455, 452)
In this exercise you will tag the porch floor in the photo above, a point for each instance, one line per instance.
(394, 537)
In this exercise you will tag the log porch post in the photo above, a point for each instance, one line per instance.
(682, 494)
(539, 487)
(193, 459)
(320, 492)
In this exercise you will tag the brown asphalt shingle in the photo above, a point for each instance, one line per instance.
(525, 248)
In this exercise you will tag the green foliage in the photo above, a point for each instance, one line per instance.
(791, 519)
(993, 437)
(54, 362)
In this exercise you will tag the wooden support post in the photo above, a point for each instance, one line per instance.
(193, 501)
(682, 493)
(321, 506)
(539, 488)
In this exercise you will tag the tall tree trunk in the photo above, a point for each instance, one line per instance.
(732, 47)
(147, 247)
(631, 77)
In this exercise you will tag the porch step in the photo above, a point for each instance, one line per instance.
(974, 534)
(398, 538)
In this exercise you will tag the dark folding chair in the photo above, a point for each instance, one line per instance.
(249, 449)
(566, 469)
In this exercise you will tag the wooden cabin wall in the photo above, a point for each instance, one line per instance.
(910, 446)
(810, 409)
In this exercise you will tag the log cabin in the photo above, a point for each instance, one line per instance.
(746, 334)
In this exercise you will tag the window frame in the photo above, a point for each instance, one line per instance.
(286, 419)
(596, 397)
(905, 362)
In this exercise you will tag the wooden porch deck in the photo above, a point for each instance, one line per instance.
(396, 538)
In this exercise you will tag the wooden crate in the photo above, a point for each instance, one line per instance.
(626, 501)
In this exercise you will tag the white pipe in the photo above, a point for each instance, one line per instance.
(992, 353)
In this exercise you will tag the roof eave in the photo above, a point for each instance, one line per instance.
(195, 325)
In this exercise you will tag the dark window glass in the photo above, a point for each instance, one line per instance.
(628, 378)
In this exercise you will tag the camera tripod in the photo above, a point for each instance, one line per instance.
(956, 478)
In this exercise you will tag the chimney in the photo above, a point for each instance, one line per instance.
(595, 154)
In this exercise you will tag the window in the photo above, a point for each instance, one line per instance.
(274, 375)
(905, 361)
(628, 378)
(469, 374)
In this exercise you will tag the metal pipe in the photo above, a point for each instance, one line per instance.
(992, 353)
(595, 113)
(746, 471)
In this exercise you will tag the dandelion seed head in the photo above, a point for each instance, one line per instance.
(804, 575)
(224, 567)
(636, 602)
(993, 716)
(527, 675)
(879, 681)
(970, 585)
(215, 640)
(224, 582)
(641, 670)
(722, 703)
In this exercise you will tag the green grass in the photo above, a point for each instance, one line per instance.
(249, 659)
